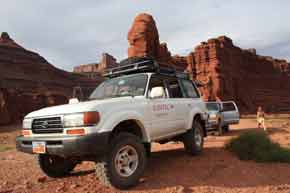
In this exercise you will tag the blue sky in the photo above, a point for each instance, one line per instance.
(69, 33)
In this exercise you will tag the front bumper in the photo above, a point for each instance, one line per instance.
(68, 146)
(212, 124)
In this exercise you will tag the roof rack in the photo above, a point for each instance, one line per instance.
(144, 66)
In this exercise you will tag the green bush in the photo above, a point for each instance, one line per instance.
(258, 146)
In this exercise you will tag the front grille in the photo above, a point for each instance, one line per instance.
(47, 125)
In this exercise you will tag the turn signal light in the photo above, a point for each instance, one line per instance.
(91, 118)
(26, 132)
(76, 132)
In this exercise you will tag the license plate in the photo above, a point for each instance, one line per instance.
(38, 147)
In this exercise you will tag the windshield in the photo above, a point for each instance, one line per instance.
(212, 106)
(132, 85)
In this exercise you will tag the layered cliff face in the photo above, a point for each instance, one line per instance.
(95, 70)
(231, 73)
(228, 72)
(28, 82)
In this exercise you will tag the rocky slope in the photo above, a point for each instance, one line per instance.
(228, 72)
(28, 82)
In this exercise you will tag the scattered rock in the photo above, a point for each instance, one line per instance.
(42, 179)
(142, 180)
(73, 186)
(60, 188)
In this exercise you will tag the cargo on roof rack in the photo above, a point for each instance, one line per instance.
(142, 65)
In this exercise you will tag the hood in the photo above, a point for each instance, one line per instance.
(75, 108)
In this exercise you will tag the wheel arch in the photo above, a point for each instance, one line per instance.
(133, 126)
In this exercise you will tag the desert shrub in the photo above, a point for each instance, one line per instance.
(4, 148)
(258, 146)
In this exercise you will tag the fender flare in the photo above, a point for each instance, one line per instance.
(113, 121)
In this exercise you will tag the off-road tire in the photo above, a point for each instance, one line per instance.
(220, 128)
(106, 170)
(55, 166)
(226, 128)
(191, 145)
(148, 149)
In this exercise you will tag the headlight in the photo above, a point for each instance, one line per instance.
(81, 119)
(212, 116)
(73, 120)
(27, 123)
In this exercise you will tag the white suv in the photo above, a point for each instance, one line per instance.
(138, 105)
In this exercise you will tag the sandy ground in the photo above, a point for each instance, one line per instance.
(169, 169)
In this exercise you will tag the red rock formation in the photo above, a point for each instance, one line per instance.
(229, 72)
(28, 82)
(5, 40)
(144, 39)
(251, 80)
(95, 70)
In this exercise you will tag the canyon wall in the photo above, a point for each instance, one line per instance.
(91, 70)
(28, 82)
(227, 71)
(232, 73)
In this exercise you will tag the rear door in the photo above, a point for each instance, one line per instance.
(191, 99)
(230, 113)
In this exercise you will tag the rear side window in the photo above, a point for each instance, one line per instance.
(174, 88)
(188, 89)
(229, 107)
(156, 82)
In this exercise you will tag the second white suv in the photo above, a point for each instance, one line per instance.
(221, 115)
(139, 104)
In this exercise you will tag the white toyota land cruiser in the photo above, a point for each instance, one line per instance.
(139, 104)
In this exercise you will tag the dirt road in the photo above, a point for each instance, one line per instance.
(169, 169)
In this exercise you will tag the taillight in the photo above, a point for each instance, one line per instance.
(91, 118)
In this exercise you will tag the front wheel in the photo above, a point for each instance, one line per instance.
(193, 139)
(55, 166)
(124, 164)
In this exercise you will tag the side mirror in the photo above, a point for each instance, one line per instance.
(157, 92)
(73, 101)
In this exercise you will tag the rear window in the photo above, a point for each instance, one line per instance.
(212, 106)
(189, 90)
(229, 107)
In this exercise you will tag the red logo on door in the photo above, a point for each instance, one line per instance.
(162, 107)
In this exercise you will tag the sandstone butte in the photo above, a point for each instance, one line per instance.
(28, 82)
(228, 72)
